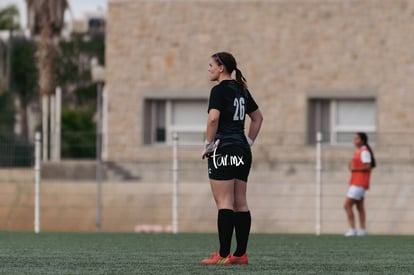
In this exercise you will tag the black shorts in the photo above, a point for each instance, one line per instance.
(230, 162)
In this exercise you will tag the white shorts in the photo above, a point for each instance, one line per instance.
(356, 192)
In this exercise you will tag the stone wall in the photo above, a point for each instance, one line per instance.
(282, 199)
(288, 50)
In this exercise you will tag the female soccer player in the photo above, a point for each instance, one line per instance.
(229, 155)
(361, 165)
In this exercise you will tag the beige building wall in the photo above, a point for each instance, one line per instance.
(288, 50)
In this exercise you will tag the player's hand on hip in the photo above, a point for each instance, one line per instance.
(210, 148)
(250, 141)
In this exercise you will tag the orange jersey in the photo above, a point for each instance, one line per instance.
(359, 178)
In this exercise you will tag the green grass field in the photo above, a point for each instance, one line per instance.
(121, 253)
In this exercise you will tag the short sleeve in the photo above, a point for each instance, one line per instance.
(215, 101)
(251, 105)
(365, 157)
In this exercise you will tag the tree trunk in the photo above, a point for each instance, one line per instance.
(45, 55)
(24, 123)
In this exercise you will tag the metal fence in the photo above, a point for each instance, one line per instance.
(293, 188)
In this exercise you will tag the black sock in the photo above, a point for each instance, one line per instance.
(242, 222)
(225, 225)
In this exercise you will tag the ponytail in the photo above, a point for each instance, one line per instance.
(373, 161)
(241, 79)
(364, 139)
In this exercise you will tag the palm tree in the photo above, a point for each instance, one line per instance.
(9, 18)
(46, 18)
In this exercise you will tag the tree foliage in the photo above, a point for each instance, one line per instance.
(73, 69)
(9, 18)
(78, 132)
(24, 71)
(73, 74)
(7, 114)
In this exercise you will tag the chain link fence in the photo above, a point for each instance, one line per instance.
(165, 192)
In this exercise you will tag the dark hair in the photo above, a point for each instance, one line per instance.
(229, 62)
(364, 138)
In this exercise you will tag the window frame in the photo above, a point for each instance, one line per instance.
(335, 129)
(170, 127)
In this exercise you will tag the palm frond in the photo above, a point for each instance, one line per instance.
(50, 12)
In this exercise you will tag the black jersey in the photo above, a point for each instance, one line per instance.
(233, 102)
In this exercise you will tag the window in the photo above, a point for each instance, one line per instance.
(339, 119)
(163, 117)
